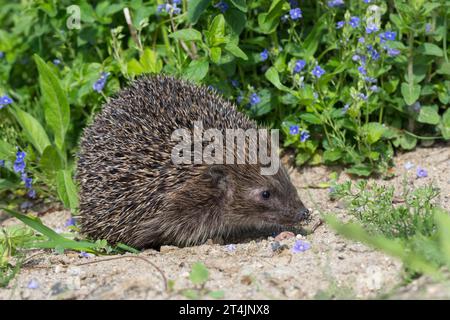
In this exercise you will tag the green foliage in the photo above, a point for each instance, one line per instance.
(199, 276)
(407, 226)
(386, 92)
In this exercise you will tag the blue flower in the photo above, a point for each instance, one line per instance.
(293, 3)
(169, 8)
(362, 70)
(56, 62)
(239, 99)
(19, 163)
(373, 53)
(421, 173)
(300, 246)
(2, 54)
(100, 83)
(416, 106)
(254, 99)
(345, 108)
(33, 284)
(28, 181)
(367, 1)
(388, 35)
(354, 22)
(176, 1)
(70, 222)
(5, 100)
(299, 65)
(363, 96)
(304, 135)
(19, 167)
(371, 28)
(340, 24)
(318, 71)
(293, 130)
(20, 156)
(31, 194)
(222, 6)
(370, 79)
(2, 163)
(356, 57)
(234, 83)
(428, 28)
(86, 255)
(336, 3)
(264, 55)
(361, 40)
(393, 52)
(295, 13)
(374, 88)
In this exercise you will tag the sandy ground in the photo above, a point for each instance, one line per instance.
(332, 268)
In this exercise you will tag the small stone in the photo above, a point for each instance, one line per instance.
(299, 236)
(165, 249)
(58, 288)
(284, 235)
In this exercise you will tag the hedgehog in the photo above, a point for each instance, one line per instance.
(132, 192)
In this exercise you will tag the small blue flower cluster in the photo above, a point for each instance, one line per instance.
(101, 82)
(19, 167)
(5, 100)
(304, 135)
(170, 8)
(222, 6)
(300, 246)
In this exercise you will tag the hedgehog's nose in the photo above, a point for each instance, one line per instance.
(303, 214)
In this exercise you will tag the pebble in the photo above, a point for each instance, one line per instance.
(284, 235)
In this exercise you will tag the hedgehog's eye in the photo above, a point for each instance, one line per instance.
(265, 194)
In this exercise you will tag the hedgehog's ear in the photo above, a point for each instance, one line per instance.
(219, 177)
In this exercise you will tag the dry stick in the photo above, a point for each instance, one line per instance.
(126, 13)
(125, 257)
(193, 56)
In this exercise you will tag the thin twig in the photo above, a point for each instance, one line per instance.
(135, 257)
(126, 13)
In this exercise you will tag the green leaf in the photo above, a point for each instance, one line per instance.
(191, 294)
(272, 75)
(236, 20)
(407, 142)
(311, 118)
(216, 294)
(410, 92)
(33, 130)
(215, 35)
(360, 170)
(215, 54)
(235, 51)
(56, 106)
(332, 155)
(445, 125)
(429, 115)
(195, 9)
(66, 188)
(186, 35)
(444, 68)
(240, 4)
(374, 131)
(51, 160)
(7, 151)
(196, 70)
(55, 238)
(431, 49)
(443, 223)
(199, 274)
(269, 21)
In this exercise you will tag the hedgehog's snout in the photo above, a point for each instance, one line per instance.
(302, 214)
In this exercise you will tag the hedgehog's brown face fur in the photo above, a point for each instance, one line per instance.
(254, 199)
